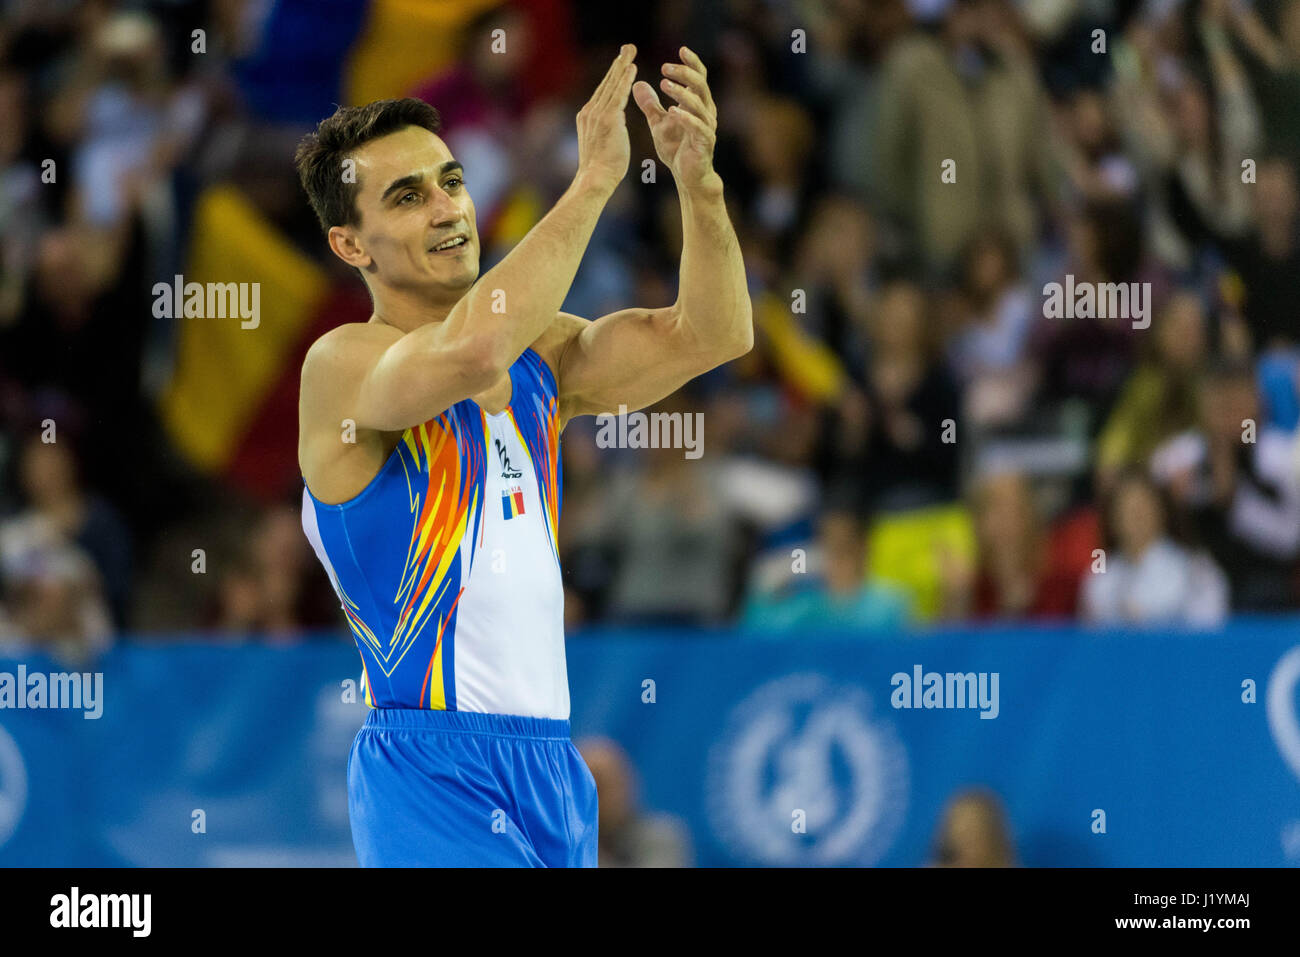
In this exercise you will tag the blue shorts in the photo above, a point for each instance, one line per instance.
(433, 788)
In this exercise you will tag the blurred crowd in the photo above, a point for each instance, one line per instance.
(915, 439)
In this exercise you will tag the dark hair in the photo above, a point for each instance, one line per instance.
(320, 155)
(991, 236)
(1173, 521)
(1119, 232)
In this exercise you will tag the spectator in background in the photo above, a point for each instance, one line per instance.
(840, 597)
(1277, 64)
(780, 141)
(22, 213)
(1234, 480)
(1268, 257)
(131, 120)
(280, 554)
(1205, 169)
(52, 592)
(49, 478)
(240, 601)
(963, 94)
(987, 351)
(973, 832)
(1268, 260)
(587, 553)
(1148, 578)
(1188, 118)
(833, 264)
(1026, 570)
(1085, 359)
(270, 588)
(1159, 398)
(678, 546)
(1097, 167)
(629, 837)
(891, 448)
(851, 38)
(893, 454)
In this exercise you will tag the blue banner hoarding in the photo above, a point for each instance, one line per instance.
(1145, 748)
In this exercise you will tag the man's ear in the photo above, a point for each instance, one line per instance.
(343, 241)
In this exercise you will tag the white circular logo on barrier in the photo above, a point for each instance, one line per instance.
(13, 786)
(1280, 705)
(804, 775)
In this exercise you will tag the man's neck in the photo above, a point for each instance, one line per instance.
(408, 309)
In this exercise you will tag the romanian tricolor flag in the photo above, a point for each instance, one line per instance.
(512, 502)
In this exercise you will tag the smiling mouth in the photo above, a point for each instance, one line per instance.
(451, 245)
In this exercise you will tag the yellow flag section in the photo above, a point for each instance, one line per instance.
(802, 360)
(223, 371)
(404, 42)
(521, 211)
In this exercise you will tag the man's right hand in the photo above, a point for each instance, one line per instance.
(603, 147)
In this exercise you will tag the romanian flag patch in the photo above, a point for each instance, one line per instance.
(512, 502)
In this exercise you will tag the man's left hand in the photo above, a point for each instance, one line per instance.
(684, 135)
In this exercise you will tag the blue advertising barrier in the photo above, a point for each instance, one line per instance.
(1142, 748)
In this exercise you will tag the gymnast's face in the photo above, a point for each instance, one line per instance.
(411, 197)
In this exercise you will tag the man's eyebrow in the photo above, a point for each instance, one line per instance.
(415, 179)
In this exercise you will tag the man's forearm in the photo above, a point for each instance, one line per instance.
(518, 298)
(714, 309)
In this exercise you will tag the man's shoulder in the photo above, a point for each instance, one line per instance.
(342, 340)
(338, 360)
(343, 351)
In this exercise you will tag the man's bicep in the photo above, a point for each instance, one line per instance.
(383, 381)
(630, 358)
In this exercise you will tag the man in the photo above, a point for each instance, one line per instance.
(429, 448)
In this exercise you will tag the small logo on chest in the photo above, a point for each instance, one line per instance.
(512, 502)
(508, 471)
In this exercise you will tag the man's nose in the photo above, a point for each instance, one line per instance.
(443, 210)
